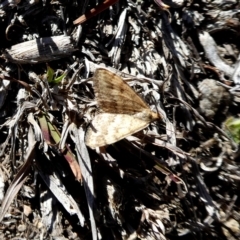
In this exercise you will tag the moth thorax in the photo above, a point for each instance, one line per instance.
(146, 115)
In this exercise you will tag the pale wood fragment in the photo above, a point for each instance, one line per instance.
(40, 50)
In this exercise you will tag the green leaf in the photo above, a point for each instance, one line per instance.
(232, 127)
(59, 79)
(50, 74)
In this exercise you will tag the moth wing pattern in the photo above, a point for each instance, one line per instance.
(114, 95)
(108, 128)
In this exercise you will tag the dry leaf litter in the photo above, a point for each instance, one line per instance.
(177, 178)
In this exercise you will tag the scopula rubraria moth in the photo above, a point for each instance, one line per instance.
(124, 111)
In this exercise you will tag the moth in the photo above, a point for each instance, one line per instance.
(123, 111)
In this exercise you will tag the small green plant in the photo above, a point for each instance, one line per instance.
(232, 127)
(51, 76)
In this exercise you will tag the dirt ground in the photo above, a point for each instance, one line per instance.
(119, 119)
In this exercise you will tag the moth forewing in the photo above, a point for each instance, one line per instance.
(115, 95)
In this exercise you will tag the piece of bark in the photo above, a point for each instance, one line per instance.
(40, 50)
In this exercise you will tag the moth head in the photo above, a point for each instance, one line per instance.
(147, 115)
